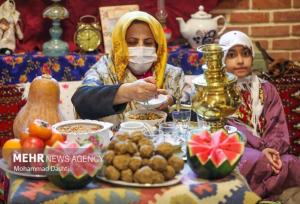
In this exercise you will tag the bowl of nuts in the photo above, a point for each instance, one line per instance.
(150, 117)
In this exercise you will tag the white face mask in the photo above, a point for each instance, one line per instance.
(141, 59)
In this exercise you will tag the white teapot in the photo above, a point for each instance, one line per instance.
(201, 28)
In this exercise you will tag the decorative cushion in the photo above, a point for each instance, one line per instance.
(11, 101)
(285, 75)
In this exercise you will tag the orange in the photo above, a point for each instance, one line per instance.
(10, 146)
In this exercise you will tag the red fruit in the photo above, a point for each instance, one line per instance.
(33, 145)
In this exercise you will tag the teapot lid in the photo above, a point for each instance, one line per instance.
(201, 14)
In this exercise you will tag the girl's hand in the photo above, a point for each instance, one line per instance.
(274, 158)
(278, 162)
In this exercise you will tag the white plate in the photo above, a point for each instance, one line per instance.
(5, 168)
(155, 102)
(147, 185)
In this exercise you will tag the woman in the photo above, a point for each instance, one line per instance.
(266, 164)
(136, 70)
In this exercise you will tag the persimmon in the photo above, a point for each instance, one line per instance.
(40, 129)
(56, 136)
(24, 134)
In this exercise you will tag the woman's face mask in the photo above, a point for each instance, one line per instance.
(141, 59)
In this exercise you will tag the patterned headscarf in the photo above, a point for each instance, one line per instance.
(119, 52)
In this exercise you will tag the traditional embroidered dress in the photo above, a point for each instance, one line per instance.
(273, 133)
(94, 99)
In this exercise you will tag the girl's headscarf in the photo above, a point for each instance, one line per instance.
(233, 38)
(119, 52)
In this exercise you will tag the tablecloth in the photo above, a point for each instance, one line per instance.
(21, 68)
(231, 189)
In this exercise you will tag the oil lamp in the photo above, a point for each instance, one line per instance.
(55, 47)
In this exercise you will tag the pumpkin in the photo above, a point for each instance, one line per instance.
(42, 103)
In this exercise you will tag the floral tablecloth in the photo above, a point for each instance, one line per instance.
(231, 189)
(190, 60)
(21, 68)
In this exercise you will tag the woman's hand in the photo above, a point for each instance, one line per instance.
(169, 101)
(140, 90)
(274, 159)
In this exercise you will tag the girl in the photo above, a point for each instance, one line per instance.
(266, 164)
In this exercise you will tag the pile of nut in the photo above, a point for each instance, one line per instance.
(134, 158)
(145, 116)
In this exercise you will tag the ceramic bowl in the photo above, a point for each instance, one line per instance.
(155, 102)
(134, 116)
(135, 126)
(131, 126)
(85, 131)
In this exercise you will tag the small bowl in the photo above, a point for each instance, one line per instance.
(85, 131)
(154, 122)
(155, 102)
(135, 126)
(131, 126)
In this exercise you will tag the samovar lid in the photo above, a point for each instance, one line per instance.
(201, 81)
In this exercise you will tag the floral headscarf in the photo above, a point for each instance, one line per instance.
(119, 52)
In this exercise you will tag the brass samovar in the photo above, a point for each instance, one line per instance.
(216, 96)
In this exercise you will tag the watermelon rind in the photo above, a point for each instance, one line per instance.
(217, 158)
(77, 175)
(69, 182)
(209, 170)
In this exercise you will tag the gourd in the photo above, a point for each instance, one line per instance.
(42, 103)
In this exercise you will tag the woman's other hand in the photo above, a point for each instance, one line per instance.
(274, 158)
(140, 90)
(168, 102)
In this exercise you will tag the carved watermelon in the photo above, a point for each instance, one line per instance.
(213, 156)
(72, 166)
